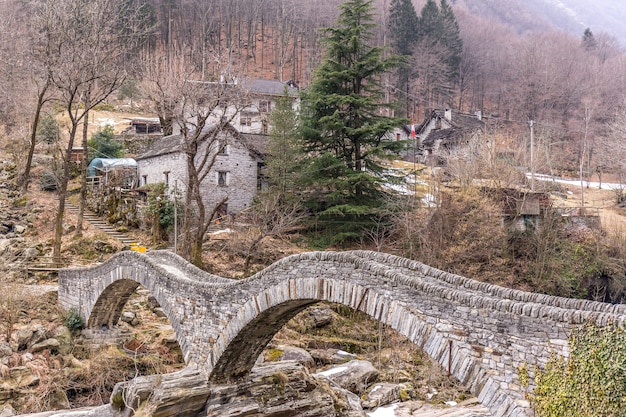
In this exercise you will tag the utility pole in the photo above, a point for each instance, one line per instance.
(532, 155)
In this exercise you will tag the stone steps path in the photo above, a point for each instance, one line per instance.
(96, 221)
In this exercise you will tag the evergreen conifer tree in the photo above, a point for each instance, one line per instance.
(344, 126)
(589, 41)
(403, 27)
(284, 148)
(439, 35)
(451, 38)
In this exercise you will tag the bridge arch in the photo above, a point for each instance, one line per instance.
(483, 332)
(258, 320)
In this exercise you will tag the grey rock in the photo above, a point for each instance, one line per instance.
(353, 376)
(127, 316)
(7, 411)
(22, 337)
(64, 336)
(331, 356)
(20, 377)
(19, 229)
(48, 344)
(159, 312)
(319, 316)
(4, 243)
(381, 394)
(291, 353)
(39, 335)
(5, 349)
(31, 253)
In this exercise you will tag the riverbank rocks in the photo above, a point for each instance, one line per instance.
(280, 389)
(324, 357)
(353, 376)
(381, 394)
(289, 353)
(318, 316)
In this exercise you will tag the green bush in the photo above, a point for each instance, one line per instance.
(74, 321)
(591, 383)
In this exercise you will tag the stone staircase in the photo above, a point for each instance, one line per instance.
(96, 221)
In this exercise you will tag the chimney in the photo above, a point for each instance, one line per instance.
(448, 115)
(479, 115)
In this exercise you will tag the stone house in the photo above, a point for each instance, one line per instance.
(237, 172)
(443, 130)
(262, 95)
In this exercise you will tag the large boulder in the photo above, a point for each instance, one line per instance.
(381, 394)
(49, 344)
(19, 377)
(355, 376)
(289, 353)
(319, 316)
(22, 338)
(63, 335)
(331, 356)
(282, 389)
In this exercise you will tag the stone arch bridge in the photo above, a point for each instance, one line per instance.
(482, 333)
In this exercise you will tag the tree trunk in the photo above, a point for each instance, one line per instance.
(58, 228)
(83, 171)
(25, 178)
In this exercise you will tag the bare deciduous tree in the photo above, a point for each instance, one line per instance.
(202, 111)
(85, 67)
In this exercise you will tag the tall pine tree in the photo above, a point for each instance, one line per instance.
(451, 38)
(284, 147)
(403, 27)
(439, 37)
(344, 126)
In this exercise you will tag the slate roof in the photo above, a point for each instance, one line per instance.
(272, 87)
(164, 146)
(255, 143)
(462, 124)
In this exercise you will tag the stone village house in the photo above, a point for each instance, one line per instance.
(441, 131)
(238, 169)
(237, 172)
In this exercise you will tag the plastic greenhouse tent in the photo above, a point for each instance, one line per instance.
(113, 171)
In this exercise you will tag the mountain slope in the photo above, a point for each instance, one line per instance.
(573, 16)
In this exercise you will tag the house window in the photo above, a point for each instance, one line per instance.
(222, 178)
(167, 178)
(245, 121)
(265, 106)
(264, 127)
(397, 136)
(145, 179)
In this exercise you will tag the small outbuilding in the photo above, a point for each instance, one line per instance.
(116, 172)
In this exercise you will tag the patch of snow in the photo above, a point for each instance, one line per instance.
(376, 388)
(593, 184)
(451, 403)
(384, 411)
(344, 353)
(333, 371)
(217, 232)
(429, 200)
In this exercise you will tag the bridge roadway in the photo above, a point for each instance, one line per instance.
(484, 334)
